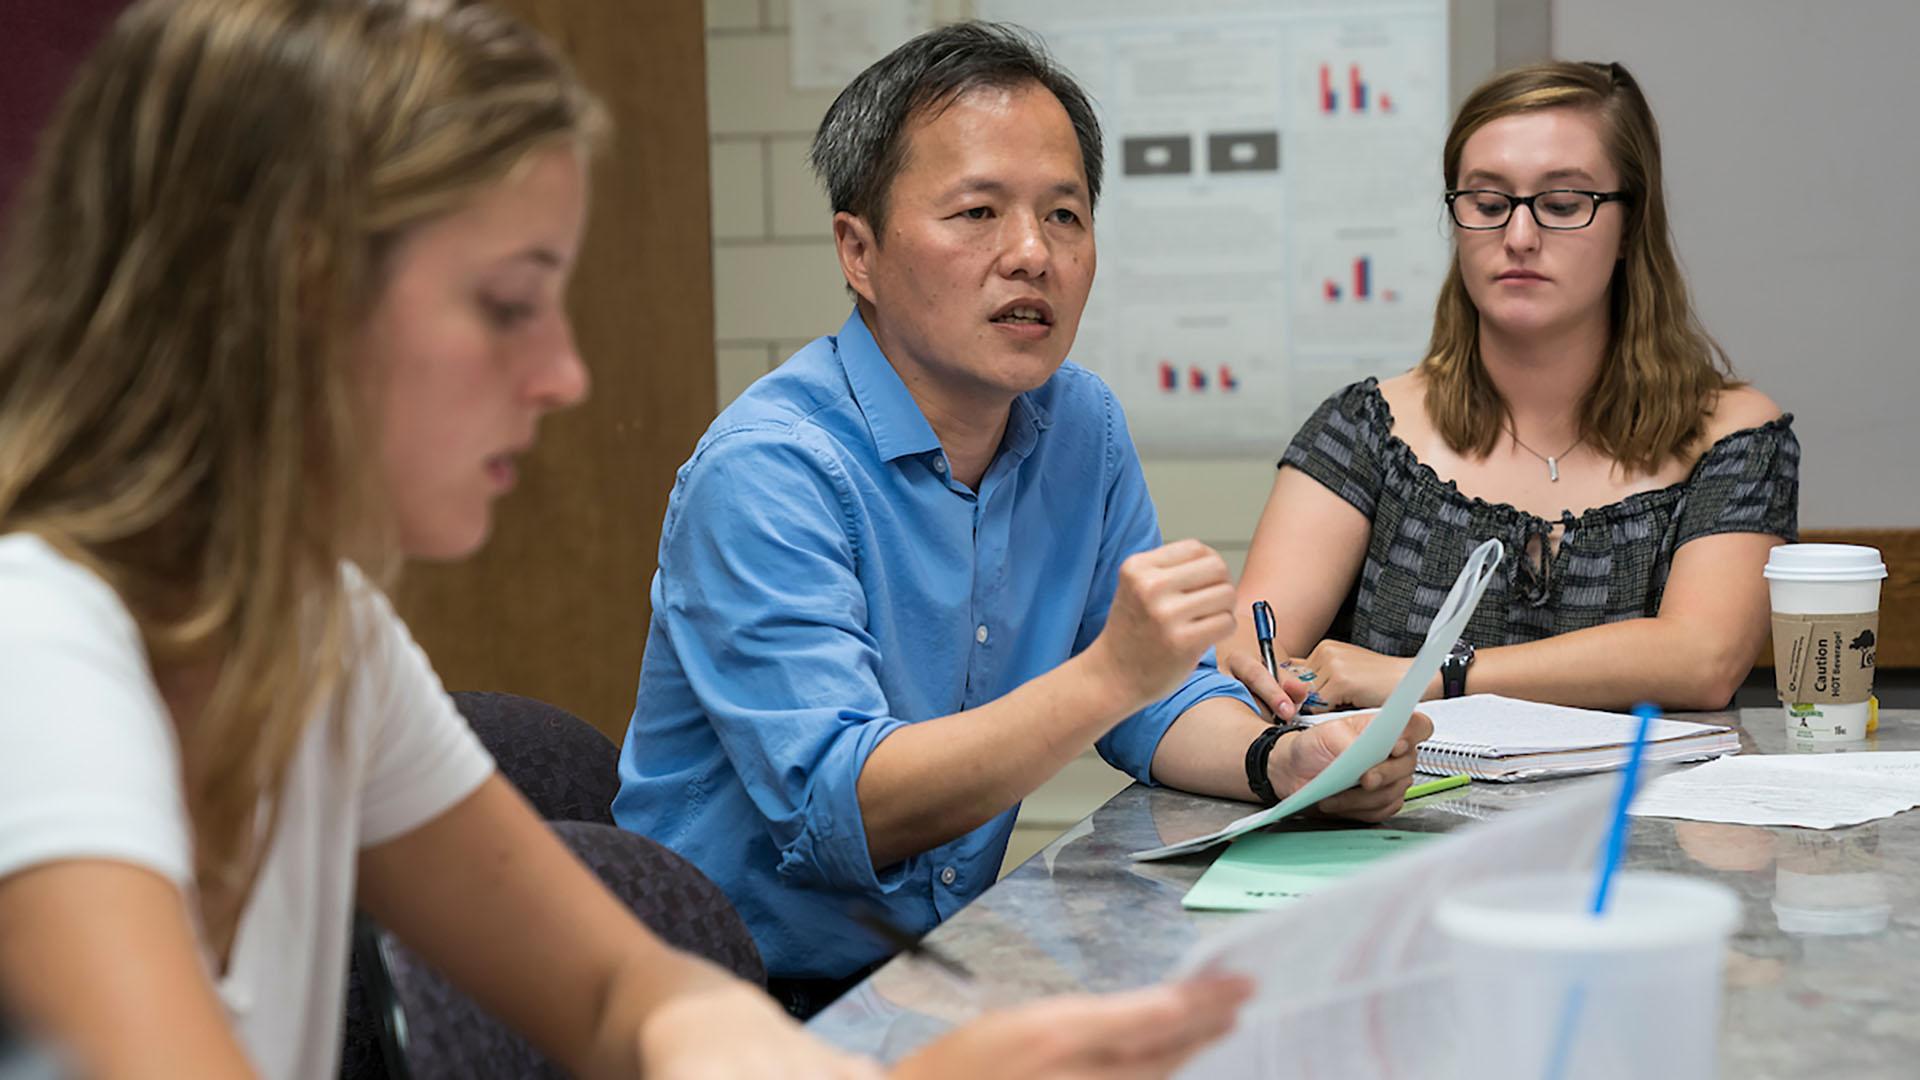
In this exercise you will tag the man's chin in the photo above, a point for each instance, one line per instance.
(1026, 371)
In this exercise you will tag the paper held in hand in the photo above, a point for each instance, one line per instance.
(1376, 741)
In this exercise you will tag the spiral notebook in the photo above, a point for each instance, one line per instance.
(1489, 737)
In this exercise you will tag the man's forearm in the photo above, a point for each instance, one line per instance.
(930, 782)
(1205, 751)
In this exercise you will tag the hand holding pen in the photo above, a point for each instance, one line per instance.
(1283, 694)
(1263, 631)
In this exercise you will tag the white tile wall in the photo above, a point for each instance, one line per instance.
(800, 207)
(749, 91)
(783, 349)
(1215, 500)
(734, 15)
(739, 189)
(737, 367)
(776, 291)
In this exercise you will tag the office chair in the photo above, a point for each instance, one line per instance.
(447, 1035)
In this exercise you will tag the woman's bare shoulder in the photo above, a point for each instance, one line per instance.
(1738, 408)
(1406, 397)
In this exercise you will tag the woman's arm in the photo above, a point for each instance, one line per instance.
(1692, 655)
(100, 961)
(487, 894)
(1304, 557)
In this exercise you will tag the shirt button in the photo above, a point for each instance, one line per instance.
(948, 876)
(940, 465)
(980, 633)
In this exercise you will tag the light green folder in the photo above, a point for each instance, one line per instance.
(1267, 869)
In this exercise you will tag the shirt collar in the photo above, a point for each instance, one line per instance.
(898, 426)
(1024, 425)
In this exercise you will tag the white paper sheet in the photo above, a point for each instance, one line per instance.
(1822, 791)
(1376, 740)
(1351, 982)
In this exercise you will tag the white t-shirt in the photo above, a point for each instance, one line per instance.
(90, 768)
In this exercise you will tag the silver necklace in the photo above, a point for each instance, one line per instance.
(1552, 460)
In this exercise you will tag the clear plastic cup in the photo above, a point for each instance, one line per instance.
(1838, 585)
(1541, 987)
(1830, 883)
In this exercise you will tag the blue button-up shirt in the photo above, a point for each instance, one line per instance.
(824, 581)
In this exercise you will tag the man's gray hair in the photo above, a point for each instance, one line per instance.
(861, 145)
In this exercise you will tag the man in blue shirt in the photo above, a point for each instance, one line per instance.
(909, 575)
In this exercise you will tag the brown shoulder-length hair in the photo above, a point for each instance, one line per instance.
(1662, 369)
(198, 242)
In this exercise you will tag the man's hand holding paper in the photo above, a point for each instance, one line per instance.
(1377, 794)
(1367, 748)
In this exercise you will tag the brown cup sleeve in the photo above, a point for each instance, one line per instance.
(1824, 659)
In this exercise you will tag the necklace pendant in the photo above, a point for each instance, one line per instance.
(1553, 470)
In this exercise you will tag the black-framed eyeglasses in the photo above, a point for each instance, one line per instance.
(1559, 208)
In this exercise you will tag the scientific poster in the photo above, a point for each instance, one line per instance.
(1270, 227)
(831, 41)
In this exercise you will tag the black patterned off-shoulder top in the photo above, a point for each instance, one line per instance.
(1611, 563)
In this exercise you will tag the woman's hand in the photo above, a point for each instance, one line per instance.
(1348, 676)
(1130, 1036)
(1281, 698)
(734, 1031)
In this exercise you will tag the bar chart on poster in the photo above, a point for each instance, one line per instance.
(1270, 226)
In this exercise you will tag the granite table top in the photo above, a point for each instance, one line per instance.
(1840, 1003)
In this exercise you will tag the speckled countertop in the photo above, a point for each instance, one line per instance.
(1841, 1004)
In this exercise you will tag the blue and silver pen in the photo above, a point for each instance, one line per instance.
(1263, 632)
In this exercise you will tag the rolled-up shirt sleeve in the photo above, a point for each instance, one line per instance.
(759, 588)
(1131, 526)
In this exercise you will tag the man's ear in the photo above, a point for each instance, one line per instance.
(855, 243)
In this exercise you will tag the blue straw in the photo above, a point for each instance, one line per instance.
(1629, 780)
(1609, 862)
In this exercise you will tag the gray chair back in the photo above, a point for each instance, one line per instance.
(448, 1035)
(561, 763)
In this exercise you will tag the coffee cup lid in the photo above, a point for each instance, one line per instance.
(1825, 562)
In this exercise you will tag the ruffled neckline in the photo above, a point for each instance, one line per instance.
(1396, 451)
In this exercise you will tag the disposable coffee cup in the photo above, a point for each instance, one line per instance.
(1543, 987)
(1826, 628)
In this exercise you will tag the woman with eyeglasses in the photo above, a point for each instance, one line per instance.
(1571, 405)
(284, 300)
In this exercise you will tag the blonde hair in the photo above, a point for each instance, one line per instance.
(1662, 370)
(201, 235)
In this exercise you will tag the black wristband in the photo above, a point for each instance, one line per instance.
(1453, 669)
(1258, 751)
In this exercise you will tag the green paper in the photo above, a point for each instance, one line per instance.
(1269, 869)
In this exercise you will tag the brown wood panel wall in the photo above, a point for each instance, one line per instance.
(556, 605)
(1899, 641)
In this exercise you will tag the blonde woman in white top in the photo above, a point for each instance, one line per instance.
(284, 301)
